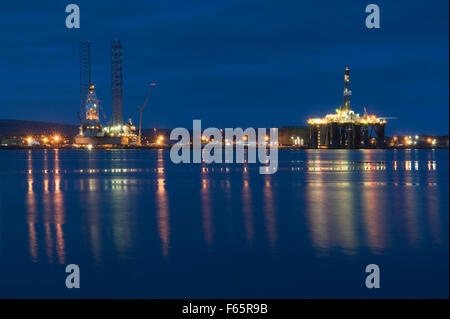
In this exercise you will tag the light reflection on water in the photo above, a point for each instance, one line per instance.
(247, 206)
(123, 206)
(331, 204)
(270, 211)
(53, 212)
(334, 225)
(162, 207)
(206, 204)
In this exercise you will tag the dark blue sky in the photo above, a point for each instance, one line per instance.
(231, 63)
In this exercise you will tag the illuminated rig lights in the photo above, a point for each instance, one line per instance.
(346, 117)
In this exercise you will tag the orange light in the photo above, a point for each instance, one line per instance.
(45, 140)
(266, 138)
(29, 140)
(56, 138)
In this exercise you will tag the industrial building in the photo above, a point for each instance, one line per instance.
(345, 128)
(296, 136)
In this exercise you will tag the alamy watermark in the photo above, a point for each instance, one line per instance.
(373, 19)
(73, 19)
(373, 277)
(218, 148)
(73, 279)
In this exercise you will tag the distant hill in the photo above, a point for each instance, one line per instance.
(18, 127)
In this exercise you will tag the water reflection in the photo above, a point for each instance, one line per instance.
(31, 210)
(225, 186)
(330, 209)
(162, 203)
(432, 207)
(122, 209)
(317, 216)
(52, 208)
(58, 205)
(270, 211)
(47, 209)
(351, 201)
(374, 210)
(432, 199)
(400, 202)
(93, 216)
(410, 201)
(247, 207)
(206, 204)
(343, 202)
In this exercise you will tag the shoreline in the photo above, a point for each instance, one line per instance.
(158, 147)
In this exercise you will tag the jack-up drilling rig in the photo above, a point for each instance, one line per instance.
(142, 108)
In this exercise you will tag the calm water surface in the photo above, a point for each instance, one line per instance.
(140, 226)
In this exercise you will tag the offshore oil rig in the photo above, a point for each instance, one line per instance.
(92, 132)
(345, 128)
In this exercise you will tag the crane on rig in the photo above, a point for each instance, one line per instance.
(142, 108)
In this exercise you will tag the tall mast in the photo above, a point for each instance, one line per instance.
(85, 75)
(347, 93)
(116, 83)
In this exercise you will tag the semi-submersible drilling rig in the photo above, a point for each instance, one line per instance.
(345, 128)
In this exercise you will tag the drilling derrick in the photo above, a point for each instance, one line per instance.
(347, 93)
(92, 115)
(116, 83)
(91, 123)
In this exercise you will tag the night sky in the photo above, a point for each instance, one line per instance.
(256, 63)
